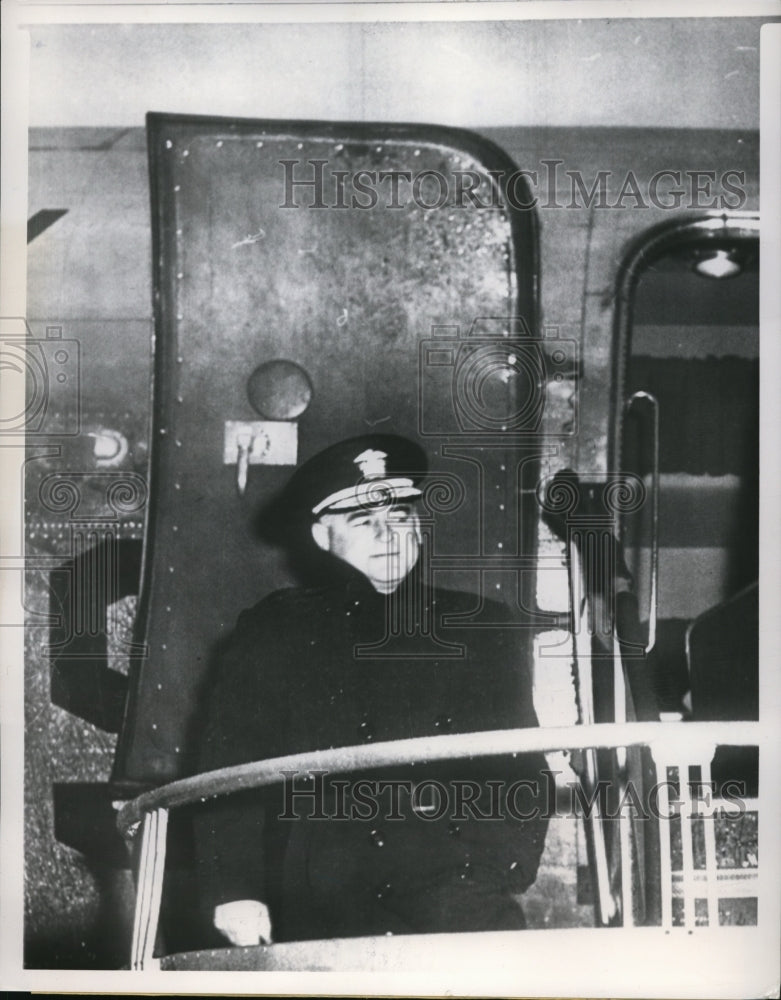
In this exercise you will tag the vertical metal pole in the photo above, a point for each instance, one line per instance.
(624, 820)
(689, 883)
(582, 647)
(666, 873)
(711, 872)
(150, 888)
(141, 892)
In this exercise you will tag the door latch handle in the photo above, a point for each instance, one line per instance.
(258, 442)
(244, 442)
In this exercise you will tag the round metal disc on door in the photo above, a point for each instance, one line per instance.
(279, 390)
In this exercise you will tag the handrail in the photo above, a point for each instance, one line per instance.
(668, 738)
(653, 600)
(581, 640)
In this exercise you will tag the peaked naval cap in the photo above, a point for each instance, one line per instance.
(362, 472)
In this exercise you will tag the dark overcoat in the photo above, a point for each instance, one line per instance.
(340, 665)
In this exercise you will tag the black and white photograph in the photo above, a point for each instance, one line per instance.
(391, 498)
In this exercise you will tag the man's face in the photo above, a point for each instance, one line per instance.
(383, 543)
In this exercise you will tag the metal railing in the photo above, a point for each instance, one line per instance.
(671, 744)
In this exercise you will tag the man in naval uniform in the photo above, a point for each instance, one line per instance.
(369, 657)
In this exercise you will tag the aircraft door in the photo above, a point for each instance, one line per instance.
(690, 429)
(314, 282)
(687, 426)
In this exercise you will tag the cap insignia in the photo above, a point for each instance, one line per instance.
(371, 462)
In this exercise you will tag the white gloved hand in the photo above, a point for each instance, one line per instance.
(244, 922)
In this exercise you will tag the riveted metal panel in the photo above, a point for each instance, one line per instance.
(252, 266)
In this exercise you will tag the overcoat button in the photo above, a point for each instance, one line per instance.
(365, 732)
(384, 890)
(454, 829)
(444, 723)
(377, 838)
